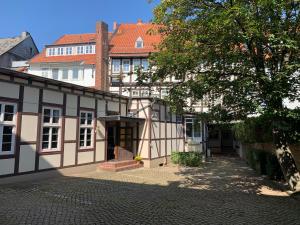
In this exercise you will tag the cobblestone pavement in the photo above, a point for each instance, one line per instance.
(224, 191)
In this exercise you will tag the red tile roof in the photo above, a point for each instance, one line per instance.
(86, 59)
(123, 40)
(122, 43)
(75, 39)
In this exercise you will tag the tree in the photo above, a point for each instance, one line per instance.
(244, 52)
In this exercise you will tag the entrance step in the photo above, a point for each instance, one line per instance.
(116, 166)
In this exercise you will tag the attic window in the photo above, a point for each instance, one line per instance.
(139, 43)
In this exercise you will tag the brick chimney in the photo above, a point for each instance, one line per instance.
(101, 74)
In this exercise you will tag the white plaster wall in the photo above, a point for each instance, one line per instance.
(85, 157)
(53, 97)
(100, 132)
(86, 102)
(70, 129)
(162, 147)
(49, 161)
(100, 151)
(113, 106)
(162, 130)
(101, 106)
(27, 158)
(7, 166)
(31, 99)
(86, 73)
(155, 130)
(9, 90)
(69, 154)
(154, 149)
(123, 110)
(71, 107)
(29, 128)
(169, 147)
(143, 149)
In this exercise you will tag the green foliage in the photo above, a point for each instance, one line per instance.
(260, 129)
(245, 52)
(253, 130)
(264, 163)
(192, 159)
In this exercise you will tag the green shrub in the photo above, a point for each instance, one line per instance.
(192, 159)
(264, 163)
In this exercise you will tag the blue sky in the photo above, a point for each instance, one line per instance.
(47, 20)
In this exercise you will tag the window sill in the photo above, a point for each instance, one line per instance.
(7, 156)
(49, 152)
(89, 149)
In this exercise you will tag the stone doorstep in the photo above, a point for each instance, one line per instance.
(119, 166)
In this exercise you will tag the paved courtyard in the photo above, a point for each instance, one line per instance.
(224, 191)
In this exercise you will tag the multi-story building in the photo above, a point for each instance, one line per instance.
(16, 51)
(110, 61)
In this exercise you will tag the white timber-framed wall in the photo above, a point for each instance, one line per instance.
(41, 103)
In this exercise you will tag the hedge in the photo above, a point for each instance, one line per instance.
(192, 159)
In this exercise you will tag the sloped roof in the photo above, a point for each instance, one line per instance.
(8, 43)
(123, 40)
(75, 39)
(88, 59)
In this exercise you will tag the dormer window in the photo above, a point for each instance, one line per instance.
(139, 43)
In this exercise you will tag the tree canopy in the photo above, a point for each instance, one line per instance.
(244, 52)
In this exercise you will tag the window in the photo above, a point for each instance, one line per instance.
(192, 128)
(89, 49)
(45, 72)
(55, 74)
(75, 74)
(7, 128)
(136, 64)
(135, 93)
(145, 93)
(51, 129)
(139, 43)
(86, 129)
(51, 51)
(126, 65)
(79, 49)
(69, 50)
(65, 74)
(164, 93)
(60, 51)
(116, 65)
(145, 64)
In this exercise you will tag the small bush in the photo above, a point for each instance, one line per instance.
(265, 163)
(192, 159)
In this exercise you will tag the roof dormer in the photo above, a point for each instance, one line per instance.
(139, 43)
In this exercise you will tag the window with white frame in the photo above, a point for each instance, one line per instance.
(51, 51)
(164, 93)
(145, 93)
(139, 43)
(60, 51)
(45, 72)
(126, 65)
(192, 128)
(145, 64)
(86, 129)
(135, 93)
(55, 74)
(65, 74)
(116, 65)
(89, 49)
(69, 50)
(7, 127)
(75, 75)
(80, 50)
(136, 64)
(51, 129)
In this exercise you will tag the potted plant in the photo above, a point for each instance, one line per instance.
(138, 159)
